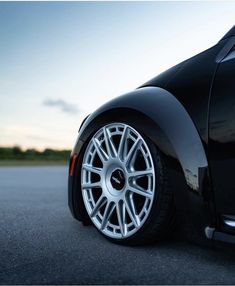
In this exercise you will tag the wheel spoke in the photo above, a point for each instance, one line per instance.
(139, 174)
(130, 206)
(101, 153)
(107, 213)
(121, 215)
(101, 201)
(91, 185)
(92, 169)
(140, 191)
(131, 154)
(122, 145)
(109, 143)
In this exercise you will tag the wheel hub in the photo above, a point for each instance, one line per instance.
(118, 179)
(115, 179)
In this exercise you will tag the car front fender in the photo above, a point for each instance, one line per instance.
(166, 122)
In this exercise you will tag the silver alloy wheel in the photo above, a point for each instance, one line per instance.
(118, 180)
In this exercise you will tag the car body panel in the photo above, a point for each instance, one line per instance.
(222, 135)
(191, 84)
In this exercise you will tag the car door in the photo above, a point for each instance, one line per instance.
(222, 135)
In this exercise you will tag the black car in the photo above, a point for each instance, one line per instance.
(162, 153)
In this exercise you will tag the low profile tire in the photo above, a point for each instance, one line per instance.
(124, 186)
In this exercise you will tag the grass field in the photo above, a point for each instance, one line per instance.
(32, 163)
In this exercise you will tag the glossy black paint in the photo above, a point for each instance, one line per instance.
(191, 83)
(222, 135)
(189, 113)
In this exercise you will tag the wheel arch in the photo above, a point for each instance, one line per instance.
(169, 126)
(161, 117)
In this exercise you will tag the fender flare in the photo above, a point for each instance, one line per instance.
(173, 120)
(174, 133)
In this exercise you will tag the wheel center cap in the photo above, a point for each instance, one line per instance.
(117, 179)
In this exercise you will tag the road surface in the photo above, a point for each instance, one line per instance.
(40, 242)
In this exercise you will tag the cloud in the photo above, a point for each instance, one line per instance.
(62, 105)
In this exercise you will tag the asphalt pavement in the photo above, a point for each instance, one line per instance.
(40, 242)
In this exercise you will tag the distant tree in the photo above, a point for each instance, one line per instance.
(13, 153)
(6, 153)
(17, 152)
(30, 153)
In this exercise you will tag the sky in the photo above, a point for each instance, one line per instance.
(59, 61)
